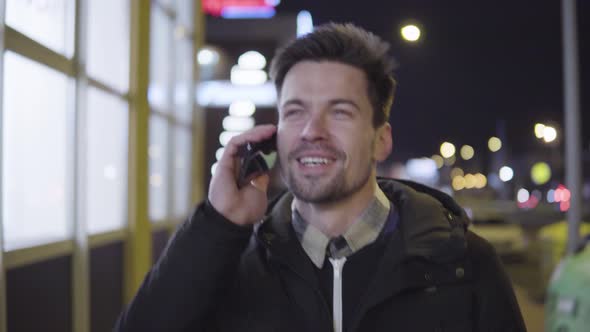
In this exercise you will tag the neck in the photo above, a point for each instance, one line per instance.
(334, 218)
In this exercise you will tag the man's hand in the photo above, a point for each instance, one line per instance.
(246, 205)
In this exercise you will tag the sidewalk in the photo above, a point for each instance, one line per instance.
(533, 312)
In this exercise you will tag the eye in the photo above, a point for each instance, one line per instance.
(292, 112)
(342, 113)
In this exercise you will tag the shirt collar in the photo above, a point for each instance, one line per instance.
(363, 232)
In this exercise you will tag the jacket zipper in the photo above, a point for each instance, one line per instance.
(316, 291)
(299, 275)
(337, 266)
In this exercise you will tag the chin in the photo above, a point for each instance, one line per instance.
(313, 191)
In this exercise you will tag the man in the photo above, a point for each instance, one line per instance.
(341, 250)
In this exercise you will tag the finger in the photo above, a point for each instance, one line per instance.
(256, 134)
(261, 183)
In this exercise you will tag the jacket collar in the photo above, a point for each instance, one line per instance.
(361, 233)
(431, 226)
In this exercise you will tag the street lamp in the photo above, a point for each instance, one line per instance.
(207, 56)
(411, 32)
(540, 173)
(506, 174)
(467, 152)
(447, 150)
(539, 130)
(547, 133)
(494, 144)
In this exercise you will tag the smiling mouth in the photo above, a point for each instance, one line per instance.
(314, 161)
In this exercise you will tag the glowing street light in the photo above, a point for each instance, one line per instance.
(522, 195)
(506, 174)
(540, 173)
(219, 153)
(207, 57)
(225, 136)
(304, 23)
(447, 150)
(549, 134)
(438, 160)
(470, 181)
(450, 161)
(410, 33)
(245, 76)
(457, 172)
(480, 181)
(242, 108)
(545, 132)
(458, 183)
(237, 123)
(539, 130)
(494, 144)
(467, 152)
(252, 60)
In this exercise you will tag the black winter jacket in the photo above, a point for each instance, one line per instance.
(434, 276)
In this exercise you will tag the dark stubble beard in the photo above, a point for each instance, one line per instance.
(312, 189)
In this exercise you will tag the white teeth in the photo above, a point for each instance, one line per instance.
(314, 161)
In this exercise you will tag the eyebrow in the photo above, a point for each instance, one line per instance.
(299, 102)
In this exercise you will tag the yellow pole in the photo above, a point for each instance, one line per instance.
(138, 249)
(198, 146)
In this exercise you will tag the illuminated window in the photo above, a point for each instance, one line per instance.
(171, 98)
(35, 138)
(106, 172)
(185, 13)
(158, 159)
(166, 3)
(108, 42)
(50, 23)
(160, 88)
(183, 100)
(182, 172)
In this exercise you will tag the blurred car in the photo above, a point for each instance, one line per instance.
(491, 219)
(556, 235)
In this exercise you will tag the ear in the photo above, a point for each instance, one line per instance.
(383, 142)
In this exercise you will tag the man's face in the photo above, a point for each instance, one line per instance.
(326, 140)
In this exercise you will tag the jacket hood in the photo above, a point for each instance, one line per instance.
(432, 224)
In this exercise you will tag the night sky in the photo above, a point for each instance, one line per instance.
(480, 69)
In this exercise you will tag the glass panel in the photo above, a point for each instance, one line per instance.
(106, 178)
(159, 93)
(34, 146)
(183, 96)
(49, 22)
(108, 42)
(182, 172)
(165, 3)
(158, 156)
(184, 12)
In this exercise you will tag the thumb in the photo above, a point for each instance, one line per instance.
(261, 182)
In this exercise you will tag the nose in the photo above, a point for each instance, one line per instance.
(315, 128)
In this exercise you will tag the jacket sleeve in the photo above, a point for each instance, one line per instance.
(497, 308)
(183, 288)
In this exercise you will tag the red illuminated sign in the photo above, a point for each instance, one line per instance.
(216, 7)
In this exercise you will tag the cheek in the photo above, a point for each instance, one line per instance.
(359, 153)
(284, 141)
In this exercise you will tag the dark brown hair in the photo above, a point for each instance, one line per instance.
(348, 44)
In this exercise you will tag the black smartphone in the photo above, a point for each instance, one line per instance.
(256, 159)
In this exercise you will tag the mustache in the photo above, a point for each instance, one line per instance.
(310, 147)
